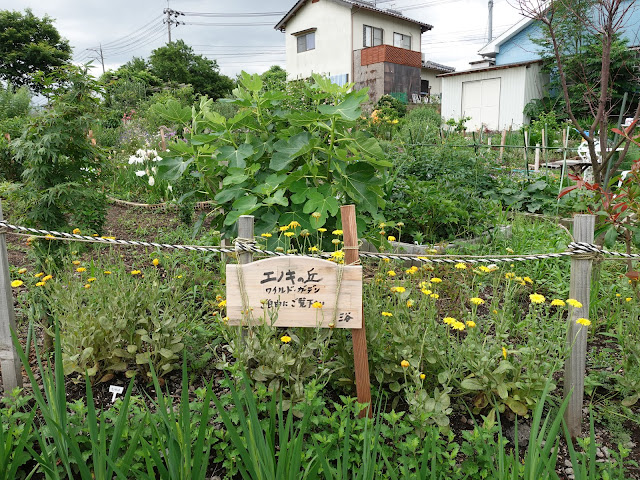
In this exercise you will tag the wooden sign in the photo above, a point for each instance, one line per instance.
(296, 291)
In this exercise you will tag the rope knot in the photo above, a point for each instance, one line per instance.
(585, 251)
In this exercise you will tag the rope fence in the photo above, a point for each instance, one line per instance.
(580, 250)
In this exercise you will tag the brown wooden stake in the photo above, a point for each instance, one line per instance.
(359, 336)
(163, 142)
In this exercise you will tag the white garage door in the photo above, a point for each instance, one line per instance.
(481, 102)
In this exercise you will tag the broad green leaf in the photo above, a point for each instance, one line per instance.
(278, 199)
(321, 203)
(516, 407)
(270, 184)
(472, 384)
(235, 177)
(610, 237)
(253, 83)
(171, 169)
(229, 194)
(173, 112)
(235, 158)
(245, 203)
(359, 181)
(288, 150)
(349, 109)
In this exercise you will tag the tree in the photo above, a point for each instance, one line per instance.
(591, 28)
(176, 62)
(29, 44)
(275, 78)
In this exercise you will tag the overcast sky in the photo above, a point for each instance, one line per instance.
(135, 27)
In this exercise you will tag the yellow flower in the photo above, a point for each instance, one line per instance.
(556, 302)
(49, 236)
(135, 272)
(391, 238)
(583, 321)
(509, 250)
(22, 270)
(222, 304)
(628, 299)
(527, 279)
(617, 294)
(38, 275)
(436, 280)
(335, 241)
(435, 296)
(449, 320)
(426, 291)
(76, 262)
(504, 353)
(432, 251)
(457, 325)
(179, 276)
(285, 339)
(476, 301)
(322, 230)
(337, 232)
(495, 312)
(289, 234)
(316, 215)
(266, 235)
(422, 376)
(400, 224)
(284, 228)
(412, 271)
(409, 303)
(47, 278)
(88, 285)
(382, 232)
(424, 284)
(382, 225)
(156, 262)
(76, 231)
(337, 254)
(398, 289)
(404, 364)
(391, 273)
(81, 269)
(313, 249)
(109, 238)
(386, 260)
(394, 121)
(484, 269)
(387, 314)
(461, 266)
(107, 272)
(510, 275)
(574, 303)
(294, 224)
(536, 298)
(40, 284)
(17, 283)
(316, 305)
(92, 279)
(471, 324)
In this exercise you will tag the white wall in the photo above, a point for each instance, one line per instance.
(518, 86)
(434, 82)
(389, 26)
(332, 55)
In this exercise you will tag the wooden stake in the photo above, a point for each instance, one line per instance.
(359, 336)
(536, 158)
(9, 361)
(580, 287)
(503, 140)
(245, 233)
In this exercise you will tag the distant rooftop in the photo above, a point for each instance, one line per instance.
(437, 66)
(281, 25)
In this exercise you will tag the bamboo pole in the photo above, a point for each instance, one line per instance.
(503, 140)
(579, 289)
(536, 158)
(358, 335)
(9, 361)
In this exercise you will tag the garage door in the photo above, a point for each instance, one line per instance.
(481, 102)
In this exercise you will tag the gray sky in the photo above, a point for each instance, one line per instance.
(135, 27)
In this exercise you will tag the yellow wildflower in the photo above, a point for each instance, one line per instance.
(484, 269)
(81, 269)
(284, 228)
(76, 262)
(504, 353)
(391, 238)
(461, 266)
(449, 320)
(322, 230)
(386, 260)
(457, 325)
(285, 339)
(17, 283)
(76, 231)
(40, 284)
(316, 305)
(88, 285)
(337, 232)
(294, 224)
(556, 302)
(92, 279)
(583, 321)
(155, 262)
(476, 300)
(510, 275)
(387, 314)
(46, 278)
(22, 270)
(509, 250)
(316, 215)
(435, 296)
(436, 280)
(536, 298)
(391, 273)
(338, 254)
(432, 251)
(398, 289)
(574, 303)
(527, 279)
(266, 235)
(107, 272)
(426, 291)
(422, 376)
(471, 324)
(38, 275)
(628, 299)
(289, 234)
(222, 304)
(335, 241)
(135, 272)
(409, 303)
(313, 249)
(404, 364)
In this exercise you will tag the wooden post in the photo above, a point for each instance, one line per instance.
(536, 158)
(580, 286)
(359, 336)
(9, 361)
(526, 153)
(503, 140)
(245, 232)
(544, 145)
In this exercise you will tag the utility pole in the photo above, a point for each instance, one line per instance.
(490, 29)
(168, 11)
(99, 52)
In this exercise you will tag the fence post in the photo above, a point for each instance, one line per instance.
(358, 335)
(580, 287)
(536, 158)
(503, 140)
(9, 361)
(526, 155)
(245, 233)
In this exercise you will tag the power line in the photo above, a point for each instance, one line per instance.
(214, 24)
(232, 15)
(126, 38)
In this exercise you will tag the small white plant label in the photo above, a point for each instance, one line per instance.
(116, 390)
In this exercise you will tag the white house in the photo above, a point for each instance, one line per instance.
(430, 83)
(354, 41)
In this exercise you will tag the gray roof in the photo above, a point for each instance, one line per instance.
(357, 4)
(437, 66)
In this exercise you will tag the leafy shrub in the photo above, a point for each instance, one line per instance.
(421, 125)
(391, 107)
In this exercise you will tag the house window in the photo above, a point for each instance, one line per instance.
(306, 42)
(372, 36)
(402, 41)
